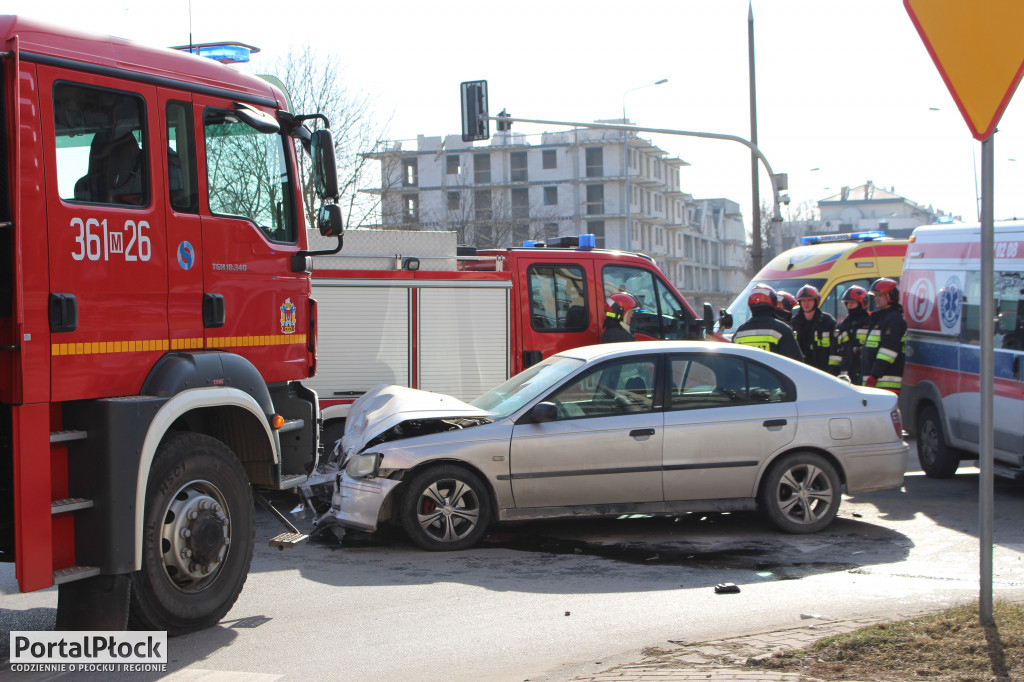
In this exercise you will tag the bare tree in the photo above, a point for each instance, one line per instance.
(315, 85)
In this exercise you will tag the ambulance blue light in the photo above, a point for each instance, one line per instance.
(944, 219)
(587, 242)
(845, 237)
(529, 243)
(867, 236)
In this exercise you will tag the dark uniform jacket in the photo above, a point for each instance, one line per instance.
(767, 332)
(615, 333)
(850, 334)
(884, 342)
(816, 337)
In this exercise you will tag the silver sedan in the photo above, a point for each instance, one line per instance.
(628, 428)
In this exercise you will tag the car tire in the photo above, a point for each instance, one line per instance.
(446, 508)
(937, 459)
(801, 493)
(198, 535)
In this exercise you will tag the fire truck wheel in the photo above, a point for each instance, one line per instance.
(937, 459)
(800, 493)
(197, 537)
(446, 508)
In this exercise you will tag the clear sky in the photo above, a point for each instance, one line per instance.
(846, 91)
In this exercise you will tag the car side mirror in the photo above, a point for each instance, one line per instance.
(543, 412)
(709, 320)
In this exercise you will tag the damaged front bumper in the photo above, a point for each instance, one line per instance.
(355, 502)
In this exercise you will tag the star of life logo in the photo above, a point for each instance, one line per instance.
(951, 298)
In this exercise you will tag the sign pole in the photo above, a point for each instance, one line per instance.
(986, 379)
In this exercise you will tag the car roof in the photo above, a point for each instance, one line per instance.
(589, 353)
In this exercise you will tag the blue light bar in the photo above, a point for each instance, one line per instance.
(225, 53)
(845, 237)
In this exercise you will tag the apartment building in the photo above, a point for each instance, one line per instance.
(518, 187)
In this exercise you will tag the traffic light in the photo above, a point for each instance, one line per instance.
(504, 124)
(475, 124)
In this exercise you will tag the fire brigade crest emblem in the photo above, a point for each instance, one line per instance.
(288, 317)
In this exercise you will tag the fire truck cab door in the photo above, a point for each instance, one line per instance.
(105, 225)
(253, 304)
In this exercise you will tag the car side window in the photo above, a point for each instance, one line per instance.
(768, 386)
(700, 381)
(613, 388)
(101, 145)
(558, 298)
(707, 381)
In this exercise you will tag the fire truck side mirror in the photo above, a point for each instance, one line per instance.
(325, 169)
(329, 220)
(709, 320)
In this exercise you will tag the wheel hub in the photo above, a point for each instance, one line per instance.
(196, 535)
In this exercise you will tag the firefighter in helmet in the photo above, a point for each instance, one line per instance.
(787, 302)
(815, 329)
(764, 330)
(850, 333)
(619, 308)
(881, 358)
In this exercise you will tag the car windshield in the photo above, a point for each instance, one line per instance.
(741, 312)
(526, 386)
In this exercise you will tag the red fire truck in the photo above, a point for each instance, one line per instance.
(155, 319)
(413, 308)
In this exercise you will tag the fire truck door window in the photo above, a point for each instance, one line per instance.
(247, 175)
(101, 145)
(558, 299)
(181, 158)
(832, 304)
(648, 319)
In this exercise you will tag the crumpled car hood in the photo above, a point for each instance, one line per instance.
(385, 407)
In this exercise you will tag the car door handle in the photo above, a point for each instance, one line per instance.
(639, 433)
(769, 423)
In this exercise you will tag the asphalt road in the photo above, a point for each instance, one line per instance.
(548, 601)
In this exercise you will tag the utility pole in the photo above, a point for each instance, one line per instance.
(756, 253)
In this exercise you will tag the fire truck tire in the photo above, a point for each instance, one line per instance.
(800, 493)
(446, 508)
(937, 459)
(198, 536)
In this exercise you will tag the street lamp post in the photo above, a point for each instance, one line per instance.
(625, 162)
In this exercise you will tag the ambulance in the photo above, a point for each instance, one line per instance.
(941, 290)
(832, 264)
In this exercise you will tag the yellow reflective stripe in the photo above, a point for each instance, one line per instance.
(886, 355)
(189, 343)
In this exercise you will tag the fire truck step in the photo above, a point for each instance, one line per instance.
(64, 436)
(288, 540)
(69, 504)
(291, 481)
(67, 575)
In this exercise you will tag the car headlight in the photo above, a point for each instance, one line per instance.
(363, 466)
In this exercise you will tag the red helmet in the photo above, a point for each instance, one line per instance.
(807, 291)
(857, 294)
(619, 303)
(886, 287)
(762, 295)
(787, 301)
